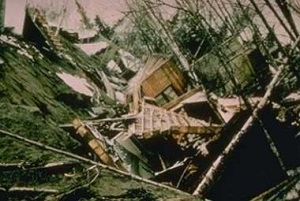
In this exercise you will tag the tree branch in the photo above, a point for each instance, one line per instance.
(85, 160)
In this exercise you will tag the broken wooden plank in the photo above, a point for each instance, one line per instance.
(87, 161)
(57, 167)
(109, 89)
(182, 131)
(2, 14)
(11, 166)
(32, 190)
(95, 144)
(172, 104)
(196, 129)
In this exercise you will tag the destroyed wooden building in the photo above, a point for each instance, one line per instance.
(166, 132)
(230, 63)
(34, 101)
(165, 143)
(162, 80)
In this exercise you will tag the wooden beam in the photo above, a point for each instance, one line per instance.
(2, 14)
(56, 167)
(32, 190)
(174, 103)
(86, 161)
(93, 143)
(196, 129)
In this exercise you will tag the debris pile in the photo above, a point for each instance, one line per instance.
(114, 127)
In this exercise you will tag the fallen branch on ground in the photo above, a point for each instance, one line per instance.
(78, 188)
(31, 190)
(57, 166)
(85, 160)
(11, 166)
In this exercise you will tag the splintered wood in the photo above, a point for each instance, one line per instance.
(95, 144)
(217, 165)
(153, 119)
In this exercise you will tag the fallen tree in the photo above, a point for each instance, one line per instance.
(210, 177)
(85, 160)
(16, 190)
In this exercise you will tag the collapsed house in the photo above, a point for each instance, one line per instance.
(37, 96)
(233, 65)
(170, 132)
(175, 140)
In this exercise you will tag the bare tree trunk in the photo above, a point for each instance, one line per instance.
(61, 20)
(264, 20)
(283, 5)
(279, 19)
(32, 190)
(109, 89)
(220, 16)
(255, 30)
(225, 13)
(57, 166)
(168, 39)
(272, 146)
(2, 14)
(211, 175)
(284, 52)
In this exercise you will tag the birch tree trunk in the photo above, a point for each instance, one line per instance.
(267, 25)
(217, 165)
(168, 39)
(269, 4)
(283, 5)
(32, 190)
(2, 14)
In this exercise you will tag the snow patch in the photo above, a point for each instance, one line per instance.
(113, 66)
(86, 33)
(130, 61)
(15, 15)
(76, 83)
(92, 48)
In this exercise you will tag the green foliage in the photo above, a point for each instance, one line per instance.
(189, 32)
(140, 194)
(192, 36)
(29, 122)
(143, 38)
(84, 18)
(103, 28)
(79, 194)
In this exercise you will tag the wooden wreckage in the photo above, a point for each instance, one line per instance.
(165, 136)
(39, 55)
(176, 134)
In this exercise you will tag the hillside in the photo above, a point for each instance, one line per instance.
(35, 101)
(149, 100)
